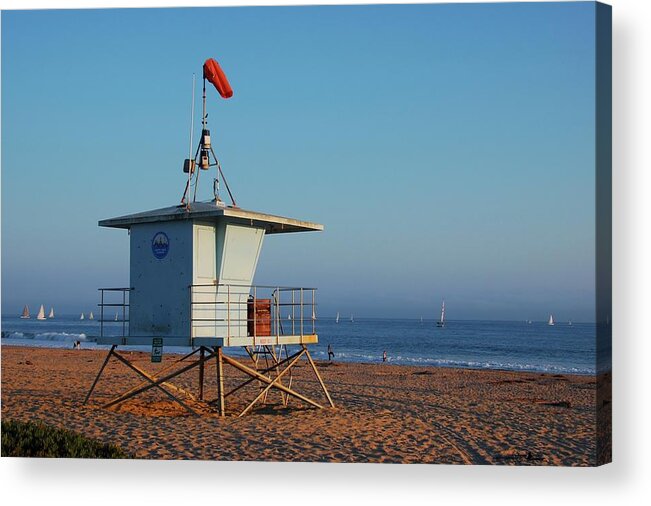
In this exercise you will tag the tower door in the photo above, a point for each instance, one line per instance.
(205, 307)
(205, 257)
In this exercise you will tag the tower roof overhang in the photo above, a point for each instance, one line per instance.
(209, 211)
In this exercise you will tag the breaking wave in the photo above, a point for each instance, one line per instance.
(45, 336)
(461, 364)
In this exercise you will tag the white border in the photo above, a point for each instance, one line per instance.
(627, 481)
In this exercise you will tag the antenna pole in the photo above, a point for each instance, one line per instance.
(203, 120)
(203, 128)
(187, 188)
(192, 117)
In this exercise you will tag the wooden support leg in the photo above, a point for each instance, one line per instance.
(251, 353)
(318, 376)
(150, 378)
(271, 351)
(202, 354)
(153, 383)
(291, 373)
(160, 373)
(277, 356)
(220, 382)
(255, 374)
(275, 382)
(157, 383)
(101, 370)
(264, 371)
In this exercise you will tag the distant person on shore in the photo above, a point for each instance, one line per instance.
(331, 353)
(384, 356)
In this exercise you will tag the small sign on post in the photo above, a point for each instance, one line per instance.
(157, 349)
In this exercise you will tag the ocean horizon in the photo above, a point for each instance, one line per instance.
(563, 348)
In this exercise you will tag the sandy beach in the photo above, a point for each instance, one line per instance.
(384, 413)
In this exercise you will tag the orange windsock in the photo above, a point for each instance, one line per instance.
(213, 72)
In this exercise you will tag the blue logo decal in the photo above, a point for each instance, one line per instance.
(160, 245)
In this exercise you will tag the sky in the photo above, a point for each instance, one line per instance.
(449, 150)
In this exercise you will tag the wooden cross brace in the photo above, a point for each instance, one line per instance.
(153, 381)
(275, 382)
(161, 382)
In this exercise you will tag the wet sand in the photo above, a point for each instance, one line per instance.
(384, 413)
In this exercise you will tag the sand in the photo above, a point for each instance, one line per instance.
(384, 413)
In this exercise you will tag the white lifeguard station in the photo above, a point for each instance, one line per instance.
(191, 285)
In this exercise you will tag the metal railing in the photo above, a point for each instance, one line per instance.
(122, 307)
(231, 310)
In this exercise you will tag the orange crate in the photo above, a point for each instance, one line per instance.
(262, 317)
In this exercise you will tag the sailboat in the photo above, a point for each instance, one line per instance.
(551, 320)
(25, 314)
(116, 317)
(90, 316)
(421, 319)
(51, 315)
(569, 323)
(441, 322)
(352, 320)
(337, 318)
(82, 316)
(41, 313)
(289, 317)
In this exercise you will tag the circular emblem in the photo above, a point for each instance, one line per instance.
(160, 245)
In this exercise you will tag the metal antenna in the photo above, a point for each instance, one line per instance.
(191, 136)
(203, 120)
(190, 160)
(192, 116)
(203, 129)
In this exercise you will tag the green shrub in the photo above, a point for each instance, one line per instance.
(29, 439)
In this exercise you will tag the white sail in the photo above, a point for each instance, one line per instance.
(116, 317)
(351, 318)
(337, 318)
(441, 322)
(289, 317)
(51, 315)
(25, 314)
(41, 313)
(82, 316)
(551, 320)
(90, 316)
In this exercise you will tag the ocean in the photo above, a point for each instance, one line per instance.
(505, 345)
(509, 345)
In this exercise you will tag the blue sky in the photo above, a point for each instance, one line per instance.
(447, 149)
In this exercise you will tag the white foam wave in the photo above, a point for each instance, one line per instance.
(463, 364)
(46, 336)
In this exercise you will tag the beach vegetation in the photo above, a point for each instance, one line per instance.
(35, 439)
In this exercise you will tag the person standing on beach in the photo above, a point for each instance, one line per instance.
(384, 356)
(330, 353)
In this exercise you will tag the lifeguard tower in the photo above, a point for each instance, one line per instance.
(191, 272)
